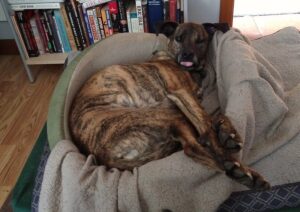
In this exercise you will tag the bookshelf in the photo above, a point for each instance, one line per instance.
(51, 58)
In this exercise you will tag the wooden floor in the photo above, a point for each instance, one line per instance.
(23, 112)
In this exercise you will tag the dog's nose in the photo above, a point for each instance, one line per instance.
(187, 55)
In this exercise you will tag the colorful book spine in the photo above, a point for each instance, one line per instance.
(87, 24)
(49, 31)
(100, 21)
(145, 15)
(58, 34)
(173, 10)
(54, 31)
(73, 24)
(123, 22)
(139, 11)
(114, 15)
(93, 25)
(41, 30)
(83, 24)
(68, 27)
(37, 36)
(109, 21)
(45, 27)
(156, 14)
(62, 31)
(104, 21)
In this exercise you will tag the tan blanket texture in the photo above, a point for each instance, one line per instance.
(258, 89)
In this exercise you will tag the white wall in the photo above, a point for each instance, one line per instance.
(203, 10)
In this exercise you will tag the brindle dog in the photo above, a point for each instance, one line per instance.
(128, 115)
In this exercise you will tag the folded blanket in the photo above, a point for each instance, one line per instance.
(251, 90)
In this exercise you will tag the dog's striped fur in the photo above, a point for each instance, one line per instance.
(128, 115)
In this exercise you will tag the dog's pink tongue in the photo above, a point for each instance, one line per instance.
(186, 63)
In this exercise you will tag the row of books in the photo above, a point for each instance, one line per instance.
(54, 26)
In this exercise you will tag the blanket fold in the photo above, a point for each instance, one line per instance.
(250, 89)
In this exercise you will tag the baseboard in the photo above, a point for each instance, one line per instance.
(8, 46)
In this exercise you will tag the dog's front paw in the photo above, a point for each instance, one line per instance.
(228, 137)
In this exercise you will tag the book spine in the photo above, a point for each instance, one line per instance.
(37, 6)
(166, 7)
(128, 20)
(181, 11)
(68, 27)
(28, 30)
(37, 36)
(78, 23)
(14, 22)
(139, 11)
(87, 25)
(109, 22)
(145, 15)
(82, 21)
(92, 22)
(104, 21)
(100, 22)
(41, 30)
(49, 31)
(54, 31)
(45, 27)
(62, 31)
(123, 22)
(93, 3)
(33, 1)
(155, 11)
(134, 21)
(71, 18)
(173, 9)
(114, 15)
(58, 34)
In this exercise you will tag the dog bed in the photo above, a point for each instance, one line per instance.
(257, 86)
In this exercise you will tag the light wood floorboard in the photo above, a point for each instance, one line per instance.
(23, 113)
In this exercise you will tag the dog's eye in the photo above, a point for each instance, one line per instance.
(178, 38)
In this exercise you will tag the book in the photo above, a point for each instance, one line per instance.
(37, 36)
(68, 27)
(128, 19)
(134, 22)
(166, 7)
(84, 26)
(145, 15)
(36, 6)
(15, 24)
(104, 21)
(92, 3)
(73, 24)
(173, 9)
(62, 31)
(100, 21)
(109, 21)
(155, 13)
(79, 26)
(45, 28)
(26, 34)
(52, 26)
(123, 24)
(41, 30)
(114, 15)
(33, 1)
(93, 25)
(87, 24)
(139, 11)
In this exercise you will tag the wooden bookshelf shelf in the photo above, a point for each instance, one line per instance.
(46, 59)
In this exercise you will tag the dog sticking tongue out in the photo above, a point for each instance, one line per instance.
(186, 63)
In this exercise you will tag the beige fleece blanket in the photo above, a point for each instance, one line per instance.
(258, 89)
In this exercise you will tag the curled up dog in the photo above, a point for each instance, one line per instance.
(128, 115)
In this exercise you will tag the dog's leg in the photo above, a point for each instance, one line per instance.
(208, 151)
(228, 137)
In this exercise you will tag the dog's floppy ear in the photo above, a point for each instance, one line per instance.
(167, 28)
